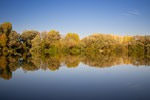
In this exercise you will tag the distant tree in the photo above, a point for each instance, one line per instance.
(95, 41)
(73, 36)
(119, 39)
(69, 43)
(43, 39)
(127, 38)
(27, 36)
(14, 40)
(0, 30)
(6, 28)
(101, 42)
(3, 40)
(43, 35)
(52, 38)
(147, 39)
(36, 44)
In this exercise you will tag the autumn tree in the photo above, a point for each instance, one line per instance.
(6, 28)
(73, 36)
(0, 30)
(147, 44)
(3, 40)
(147, 38)
(27, 36)
(43, 35)
(95, 41)
(126, 40)
(14, 40)
(36, 44)
(43, 39)
(70, 41)
(52, 39)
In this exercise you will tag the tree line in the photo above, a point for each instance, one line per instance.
(53, 42)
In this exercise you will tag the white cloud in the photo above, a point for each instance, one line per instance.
(132, 13)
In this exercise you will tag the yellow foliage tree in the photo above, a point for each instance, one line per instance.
(73, 36)
(6, 28)
(36, 44)
(52, 39)
(3, 40)
(127, 38)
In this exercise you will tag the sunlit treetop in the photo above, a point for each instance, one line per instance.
(53, 35)
(6, 28)
(53, 32)
(73, 36)
(14, 39)
(29, 34)
(127, 38)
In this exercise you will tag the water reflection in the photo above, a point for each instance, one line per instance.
(35, 62)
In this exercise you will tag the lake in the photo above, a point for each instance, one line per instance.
(79, 77)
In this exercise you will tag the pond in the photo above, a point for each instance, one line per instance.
(80, 77)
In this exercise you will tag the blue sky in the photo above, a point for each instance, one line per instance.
(85, 17)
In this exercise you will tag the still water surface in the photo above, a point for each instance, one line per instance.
(75, 77)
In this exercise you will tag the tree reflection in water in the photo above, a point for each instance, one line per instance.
(53, 62)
